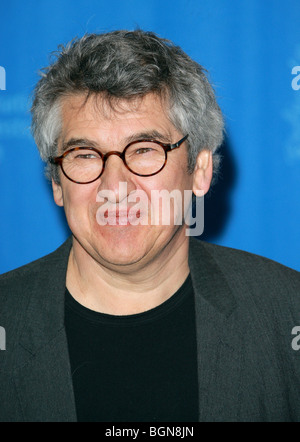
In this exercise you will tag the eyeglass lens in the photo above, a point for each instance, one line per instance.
(142, 158)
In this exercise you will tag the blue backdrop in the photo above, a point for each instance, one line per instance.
(250, 48)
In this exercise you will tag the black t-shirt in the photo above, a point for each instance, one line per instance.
(135, 368)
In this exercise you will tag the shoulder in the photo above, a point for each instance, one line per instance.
(43, 263)
(32, 291)
(241, 264)
(260, 295)
(252, 306)
(24, 280)
(256, 283)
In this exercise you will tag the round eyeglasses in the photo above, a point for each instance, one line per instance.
(84, 165)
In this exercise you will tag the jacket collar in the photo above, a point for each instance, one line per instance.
(219, 340)
(208, 280)
(43, 377)
(45, 312)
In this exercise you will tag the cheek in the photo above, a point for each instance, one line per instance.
(79, 201)
(166, 199)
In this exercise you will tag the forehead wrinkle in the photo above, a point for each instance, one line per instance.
(79, 104)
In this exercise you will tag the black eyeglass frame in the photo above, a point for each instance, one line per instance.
(167, 148)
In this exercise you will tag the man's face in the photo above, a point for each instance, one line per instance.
(111, 130)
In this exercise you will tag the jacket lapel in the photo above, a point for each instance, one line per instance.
(44, 384)
(218, 343)
(43, 378)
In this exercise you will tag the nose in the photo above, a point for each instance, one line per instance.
(114, 173)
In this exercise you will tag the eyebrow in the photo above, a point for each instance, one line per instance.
(149, 135)
(74, 142)
(85, 142)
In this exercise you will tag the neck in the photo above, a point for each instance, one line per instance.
(126, 291)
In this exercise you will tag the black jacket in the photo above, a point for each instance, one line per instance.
(246, 309)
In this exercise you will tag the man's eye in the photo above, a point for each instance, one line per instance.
(143, 150)
(86, 156)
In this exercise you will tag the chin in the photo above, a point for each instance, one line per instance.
(120, 257)
(120, 244)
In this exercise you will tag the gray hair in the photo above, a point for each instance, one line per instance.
(127, 65)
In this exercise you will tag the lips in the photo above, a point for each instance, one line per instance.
(117, 217)
(123, 217)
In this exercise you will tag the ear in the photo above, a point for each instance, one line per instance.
(57, 193)
(203, 173)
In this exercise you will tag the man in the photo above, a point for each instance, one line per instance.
(132, 319)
